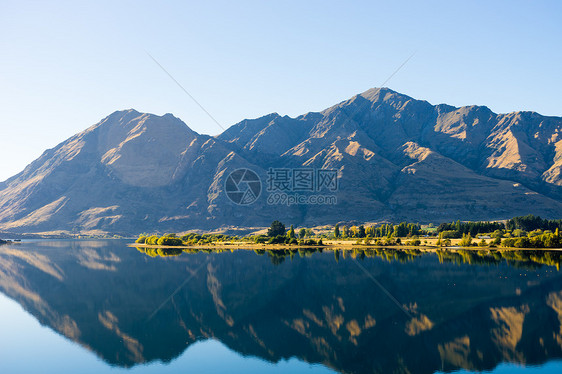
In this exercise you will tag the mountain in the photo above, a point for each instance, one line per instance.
(396, 158)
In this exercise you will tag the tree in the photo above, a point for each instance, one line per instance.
(169, 241)
(361, 232)
(291, 233)
(337, 231)
(302, 233)
(400, 230)
(466, 240)
(276, 228)
(518, 233)
(152, 240)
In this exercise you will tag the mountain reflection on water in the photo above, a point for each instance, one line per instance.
(365, 311)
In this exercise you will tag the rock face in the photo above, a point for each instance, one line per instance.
(397, 158)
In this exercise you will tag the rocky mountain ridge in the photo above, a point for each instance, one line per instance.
(397, 158)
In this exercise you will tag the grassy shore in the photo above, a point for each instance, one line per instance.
(336, 245)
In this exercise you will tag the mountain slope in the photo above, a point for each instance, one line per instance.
(129, 172)
(396, 158)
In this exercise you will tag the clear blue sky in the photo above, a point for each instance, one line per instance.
(67, 64)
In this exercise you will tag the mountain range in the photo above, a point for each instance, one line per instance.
(396, 159)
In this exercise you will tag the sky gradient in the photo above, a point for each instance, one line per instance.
(66, 65)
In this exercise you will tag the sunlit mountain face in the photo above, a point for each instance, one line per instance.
(355, 312)
(397, 159)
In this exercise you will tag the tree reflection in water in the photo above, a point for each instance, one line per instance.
(465, 309)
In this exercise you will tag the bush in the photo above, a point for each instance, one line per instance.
(279, 239)
(518, 233)
(169, 241)
(551, 240)
(141, 239)
(260, 239)
(466, 240)
(451, 234)
(546, 240)
(152, 240)
(509, 242)
(522, 243)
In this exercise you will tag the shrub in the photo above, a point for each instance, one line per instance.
(451, 234)
(170, 241)
(152, 240)
(522, 243)
(551, 241)
(509, 242)
(466, 240)
(279, 239)
(518, 233)
(260, 239)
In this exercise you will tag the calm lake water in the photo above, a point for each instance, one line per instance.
(100, 306)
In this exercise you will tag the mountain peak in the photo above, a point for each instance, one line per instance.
(138, 145)
(381, 93)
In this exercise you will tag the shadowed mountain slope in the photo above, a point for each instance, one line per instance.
(396, 157)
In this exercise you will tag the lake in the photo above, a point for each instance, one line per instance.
(99, 306)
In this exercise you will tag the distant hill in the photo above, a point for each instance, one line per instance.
(397, 158)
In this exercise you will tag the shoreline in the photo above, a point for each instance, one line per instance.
(332, 247)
